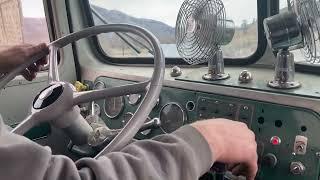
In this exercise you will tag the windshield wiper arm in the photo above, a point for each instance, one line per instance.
(139, 42)
(118, 34)
(121, 35)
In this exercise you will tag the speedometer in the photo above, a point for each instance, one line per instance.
(113, 106)
(172, 116)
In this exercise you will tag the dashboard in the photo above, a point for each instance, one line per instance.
(287, 136)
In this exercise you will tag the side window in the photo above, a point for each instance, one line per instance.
(22, 21)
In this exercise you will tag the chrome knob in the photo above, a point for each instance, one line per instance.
(297, 168)
(149, 125)
(176, 71)
(245, 77)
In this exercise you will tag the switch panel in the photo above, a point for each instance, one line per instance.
(213, 108)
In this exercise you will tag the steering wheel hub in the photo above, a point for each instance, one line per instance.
(48, 96)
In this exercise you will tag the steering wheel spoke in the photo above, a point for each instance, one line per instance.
(84, 97)
(53, 68)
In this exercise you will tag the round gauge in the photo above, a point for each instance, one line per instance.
(113, 106)
(172, 116)
(134, 99)
(99, 85)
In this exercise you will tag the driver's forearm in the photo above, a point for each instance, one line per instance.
(181, 155)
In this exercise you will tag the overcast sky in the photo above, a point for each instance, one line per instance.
(162, 10)
(32, 8)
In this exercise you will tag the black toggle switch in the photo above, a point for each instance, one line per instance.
(269, 160)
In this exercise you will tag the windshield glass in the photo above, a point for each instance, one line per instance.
(159, 16)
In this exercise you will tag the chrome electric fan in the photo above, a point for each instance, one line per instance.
(201, 29)
(297, 28)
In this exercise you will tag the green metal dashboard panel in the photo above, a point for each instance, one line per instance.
(261, 76)
(276, 127)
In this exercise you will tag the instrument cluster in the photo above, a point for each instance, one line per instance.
(166, 117)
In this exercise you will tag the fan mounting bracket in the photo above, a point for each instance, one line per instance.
(284, 85)
(215, 77)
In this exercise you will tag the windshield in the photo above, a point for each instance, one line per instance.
(159, 16)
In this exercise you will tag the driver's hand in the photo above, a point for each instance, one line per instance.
(231, 143)
(16, 55)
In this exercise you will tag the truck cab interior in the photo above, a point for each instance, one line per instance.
(121, 71)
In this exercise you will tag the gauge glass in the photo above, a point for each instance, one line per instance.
(134, 99)
(172, 116)
(113, 106)
(99, 85)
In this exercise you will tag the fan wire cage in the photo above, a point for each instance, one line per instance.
(200, 29)
(309, 17)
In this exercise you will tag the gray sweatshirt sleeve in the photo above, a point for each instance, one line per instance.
(183, 154)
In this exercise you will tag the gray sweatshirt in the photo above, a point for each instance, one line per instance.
(183, 155)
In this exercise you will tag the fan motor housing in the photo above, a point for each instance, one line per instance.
(283, 31)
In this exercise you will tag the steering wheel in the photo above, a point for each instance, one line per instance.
(57, 103)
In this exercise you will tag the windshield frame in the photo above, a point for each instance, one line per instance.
(262, 13)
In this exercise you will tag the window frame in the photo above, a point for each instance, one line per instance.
(262, 13)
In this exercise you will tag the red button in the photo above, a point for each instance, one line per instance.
(275, 140)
